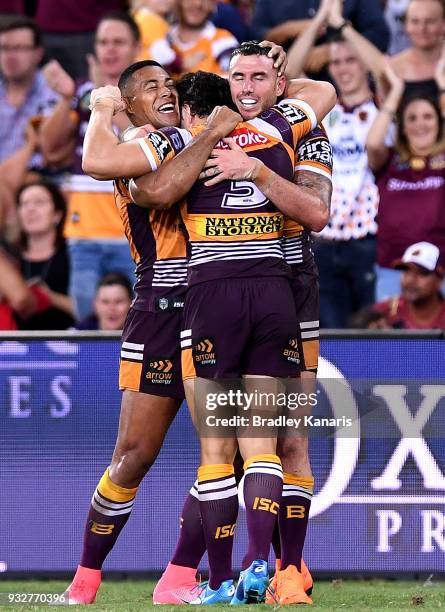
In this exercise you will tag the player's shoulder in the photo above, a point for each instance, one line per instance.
(168, 140)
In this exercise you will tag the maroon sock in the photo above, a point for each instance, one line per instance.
(293, 518)
(191, 544)
(276, 543)
(218, 501)
(263, 482)
(110, 509)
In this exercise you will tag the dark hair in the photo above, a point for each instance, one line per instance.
(202, 91)
(19, 23)
(124, 18)
(59, 204)
(128, 73)
(336, 37)
(402, 143)
(251, 47)
(116, 278)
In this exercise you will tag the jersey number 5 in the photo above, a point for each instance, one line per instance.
(242, 195)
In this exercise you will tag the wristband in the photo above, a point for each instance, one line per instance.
(340, 28)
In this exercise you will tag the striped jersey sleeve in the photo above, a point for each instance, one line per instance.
(162, 145)
(314, 153)
(299, 115)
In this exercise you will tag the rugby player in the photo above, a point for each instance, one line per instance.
(178, 157)
(212, 593)
(150, 374)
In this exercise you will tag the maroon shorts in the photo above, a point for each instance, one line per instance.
(150, 354)
(306, 291)
(233, 327)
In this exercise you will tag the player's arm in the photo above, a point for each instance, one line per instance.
(173, 180)
(306, 200)
(319, 95)
(104, 157)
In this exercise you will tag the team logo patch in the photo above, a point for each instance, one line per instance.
(204, 352)
(291, 352)
(163, 303)
(159, 371)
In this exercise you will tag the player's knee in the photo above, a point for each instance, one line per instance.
(131, 462)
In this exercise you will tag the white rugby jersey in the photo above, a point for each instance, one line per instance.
(355, 195)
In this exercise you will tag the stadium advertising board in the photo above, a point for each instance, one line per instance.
(380, 483)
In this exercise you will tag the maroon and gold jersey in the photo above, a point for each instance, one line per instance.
(313, 153)
(233, 228)
(156, 237)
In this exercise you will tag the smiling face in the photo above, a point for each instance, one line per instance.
(420, 126)
(254, 84)
(115, 47)
(348, 72)
(111, 305)
(36, 211)
(151, 97)
(425, 23)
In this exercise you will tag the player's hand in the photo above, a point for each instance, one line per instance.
(230, 164)
(223, 120)
(59, 80)
(278, 54)
(109, 96)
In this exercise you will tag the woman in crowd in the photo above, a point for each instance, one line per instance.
(41, 252)
(410, 176)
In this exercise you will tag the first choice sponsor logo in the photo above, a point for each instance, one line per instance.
(242, 226)
(204, 352)
(160, 371)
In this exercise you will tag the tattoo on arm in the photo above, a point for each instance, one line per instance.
(321, 185)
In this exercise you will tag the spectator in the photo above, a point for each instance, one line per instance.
(151, 17)
(197, 42)
(113, 299)
(42, 254)
(68, 28)
(421, 304)
(281, 21)
(94, 229)
(394, 12)
(425, 26)
(410, 177)
(24, 92)
(16, 297)
(228, 17)
(346, 249)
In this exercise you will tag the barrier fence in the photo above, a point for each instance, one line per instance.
(380, 489)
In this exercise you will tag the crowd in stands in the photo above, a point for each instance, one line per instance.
(64, 259)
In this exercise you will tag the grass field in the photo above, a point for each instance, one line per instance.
(131, 596)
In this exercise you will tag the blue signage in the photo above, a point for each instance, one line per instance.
(379, 502)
